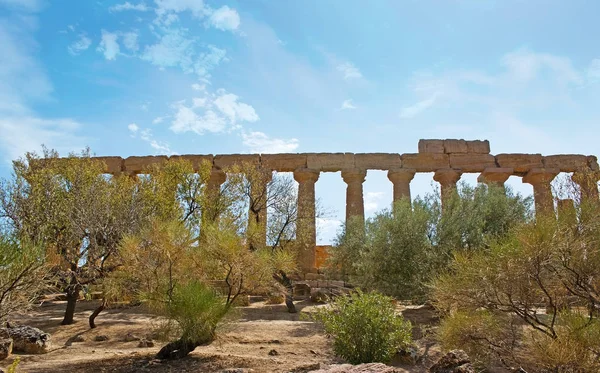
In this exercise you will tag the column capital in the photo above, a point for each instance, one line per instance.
(447, 176)
(587, 177)
(303, 175)
(217, 176)
(398, 175)
(540, 175)
(354, 175)
(495, 175)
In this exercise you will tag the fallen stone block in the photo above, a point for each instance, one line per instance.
(27, 339)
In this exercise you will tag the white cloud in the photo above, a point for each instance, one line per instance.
(327, 230)
(349, 71)
(80, 45)
(26, 5)
(25, 83)
(133, 128)
(372, 200)
(347, 105)
(214, 112)
(109, 45)
(175, 49)
(166, 9)
(130, 41)
(198, 87)
(22, 134)
(158, 120)
(159, 146)
(225, 19)
(236, 111)
(258, 142)
(187, 120)
(525, 65)
(140, 7)
(413, 110)
(593, 71)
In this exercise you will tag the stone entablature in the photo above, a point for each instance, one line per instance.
(448, 159)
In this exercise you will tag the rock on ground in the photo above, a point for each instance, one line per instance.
(6, 346)
(362, 368)
(27, 339)
(455, 361)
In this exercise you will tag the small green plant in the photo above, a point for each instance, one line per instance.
(12, 368)
(365, 327)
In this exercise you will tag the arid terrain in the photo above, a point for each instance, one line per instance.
(265, 338)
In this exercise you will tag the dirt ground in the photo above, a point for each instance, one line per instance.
(265, 338)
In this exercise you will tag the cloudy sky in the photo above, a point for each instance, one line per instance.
(264, 76)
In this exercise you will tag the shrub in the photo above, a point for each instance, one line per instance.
(365, 327)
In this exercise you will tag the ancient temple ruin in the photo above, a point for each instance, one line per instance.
(447, 159)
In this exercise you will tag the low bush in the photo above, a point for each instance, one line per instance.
(365, 327)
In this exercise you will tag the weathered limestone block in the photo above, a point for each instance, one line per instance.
(478, 147)
(6, 347)
(566, 162)
(593, 163)
(227, 160)
(27, 339)
(452, 146)
(472, 162)
(401, 179)
(361, 368)
(329, 162)
(425, 162)
(540, 179)
(431, 146)
(136, 165)
(195, 160)
(283, 162)
(495, 175)
(113, 165)
(455, 361)
(521, 163)
(377, 161)
(354, 178)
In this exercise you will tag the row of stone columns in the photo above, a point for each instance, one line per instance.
(539, 178)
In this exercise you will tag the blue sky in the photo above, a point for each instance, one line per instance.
(208, 77)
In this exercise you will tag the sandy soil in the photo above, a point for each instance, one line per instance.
(249, 342)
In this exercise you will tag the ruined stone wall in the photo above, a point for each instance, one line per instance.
(447, 159)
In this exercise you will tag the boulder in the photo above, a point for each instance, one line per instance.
(27, 339)
(455, 361)
(145, 343)
(101, 338)
(318, 295)
(6, 347)
(362, 368)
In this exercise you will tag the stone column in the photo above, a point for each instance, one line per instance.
(495, 176)
(354, 193)
(447, 177)
(258, 190)
(566, 211)
(588, 184)
(540, 178)
(210, 214)
(401, 179)
(306, 230)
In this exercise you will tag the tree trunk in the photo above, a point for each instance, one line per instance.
(178, 349)
(284, 280)
(96, 313)
(72, 295)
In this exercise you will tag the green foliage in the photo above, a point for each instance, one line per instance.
(12, 368)
(400, 250)
(22, 275)
(197, 309)
(530, 299)
(365, 327)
